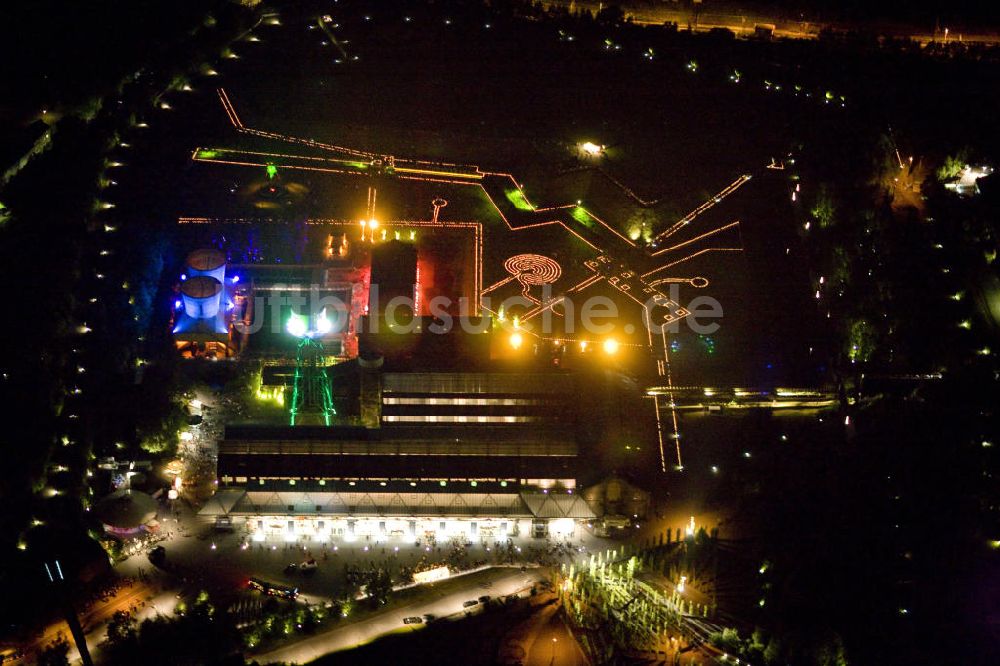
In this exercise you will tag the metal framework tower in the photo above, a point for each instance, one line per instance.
(312, 399)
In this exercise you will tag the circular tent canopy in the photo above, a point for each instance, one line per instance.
(125, 509)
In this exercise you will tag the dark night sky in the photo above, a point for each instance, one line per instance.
(967, 12)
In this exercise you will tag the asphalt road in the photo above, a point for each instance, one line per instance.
(555, 646)
(439, 603)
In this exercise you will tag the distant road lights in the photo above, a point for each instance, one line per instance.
(515, 340)
(583, 345)
(682, 585)
(611, 346)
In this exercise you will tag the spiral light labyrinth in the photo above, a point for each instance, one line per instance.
(532, 270)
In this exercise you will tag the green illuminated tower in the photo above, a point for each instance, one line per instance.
(312, 400)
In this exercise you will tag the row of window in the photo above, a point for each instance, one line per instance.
(460, 401)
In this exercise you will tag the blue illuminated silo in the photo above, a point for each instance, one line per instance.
(207, 262)
(201, 295)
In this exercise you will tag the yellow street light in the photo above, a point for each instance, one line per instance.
(610, 346)
(516, 340)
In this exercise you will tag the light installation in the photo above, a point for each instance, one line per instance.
(615, 250)
(529, 270)
(312, 398)
(298, 325)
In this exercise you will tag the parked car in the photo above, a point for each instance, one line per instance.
(308, 565)
(470, 603)
(291, 568)
(413, 620)
(224, 524)
(485, 599)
